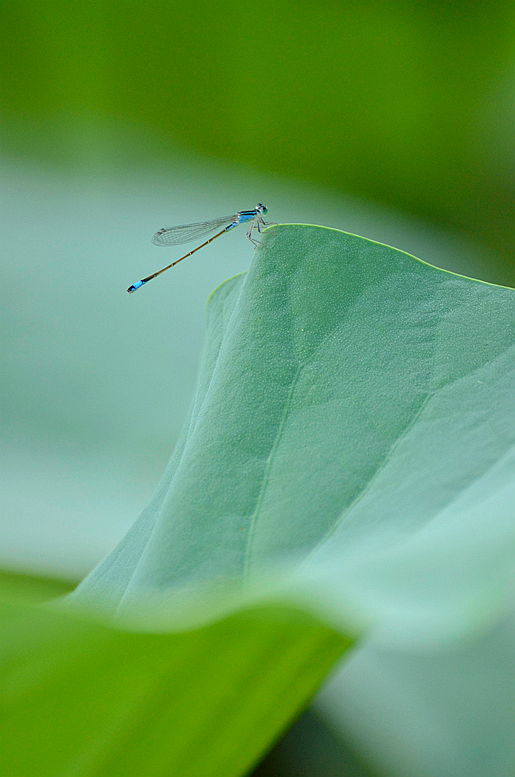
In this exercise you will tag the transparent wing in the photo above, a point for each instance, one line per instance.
(185, 233)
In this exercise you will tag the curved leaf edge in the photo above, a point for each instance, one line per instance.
(395, 249)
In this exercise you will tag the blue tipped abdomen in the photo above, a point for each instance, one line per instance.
(135, 286)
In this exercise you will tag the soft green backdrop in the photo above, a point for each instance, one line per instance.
(405, 103)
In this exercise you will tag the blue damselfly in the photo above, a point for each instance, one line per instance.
(187, 232)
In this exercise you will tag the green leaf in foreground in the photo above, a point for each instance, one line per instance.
(15, 586)
(350, 445)
(87, 699)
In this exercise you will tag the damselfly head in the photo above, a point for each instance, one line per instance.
(261, 208)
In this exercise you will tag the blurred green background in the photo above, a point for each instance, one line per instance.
(392, 120)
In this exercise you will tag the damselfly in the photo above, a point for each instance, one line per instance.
(187, 232)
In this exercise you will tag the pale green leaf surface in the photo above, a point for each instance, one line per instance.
(352, 417)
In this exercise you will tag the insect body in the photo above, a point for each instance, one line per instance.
(188, 232)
